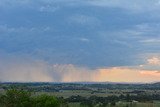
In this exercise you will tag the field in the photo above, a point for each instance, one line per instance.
(93, 94)
(69, 93)
(125, 104)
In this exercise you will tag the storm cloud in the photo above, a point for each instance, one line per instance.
(38, 36)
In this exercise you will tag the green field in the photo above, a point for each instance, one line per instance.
(92, 95)
(68, 93)
(123, 104)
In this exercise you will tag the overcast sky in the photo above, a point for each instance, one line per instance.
(80, 40)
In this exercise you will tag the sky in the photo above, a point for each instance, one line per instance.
(79, 40)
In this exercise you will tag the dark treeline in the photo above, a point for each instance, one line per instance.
(27, 94)
(112, 100)
(21, 98)
(81, 86)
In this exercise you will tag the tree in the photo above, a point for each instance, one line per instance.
(46, 101)
(16, 98)
(113, 103)
(128, 97)
(21, 98)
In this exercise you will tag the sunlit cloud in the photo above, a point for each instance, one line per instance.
(18, 70)
(154, 61)
(151, 73)
(120, 74)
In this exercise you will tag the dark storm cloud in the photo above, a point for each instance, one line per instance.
(90, 33)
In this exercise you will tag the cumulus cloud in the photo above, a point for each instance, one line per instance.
(154, 61)
(151, 73)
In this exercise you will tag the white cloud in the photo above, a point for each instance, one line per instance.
(154, 61)
(84, 40)
(132, 5)
(84, 20)
(151, 41)
(6, 29)
(48, 8)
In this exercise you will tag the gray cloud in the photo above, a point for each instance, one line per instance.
(90, 33)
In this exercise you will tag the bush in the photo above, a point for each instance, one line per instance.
(16, 98)
(21, 98)
(46, 101)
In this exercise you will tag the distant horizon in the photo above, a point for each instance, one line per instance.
(86, 82)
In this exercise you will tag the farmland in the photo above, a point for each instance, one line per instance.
(94, 94)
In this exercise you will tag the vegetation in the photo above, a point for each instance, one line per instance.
(20, 98)
(79, 95)
(15, 98)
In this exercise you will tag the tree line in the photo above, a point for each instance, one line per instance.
(21, 98)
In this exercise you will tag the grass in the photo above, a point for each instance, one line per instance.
(83, 93)
(123, 104)
(87, 93)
